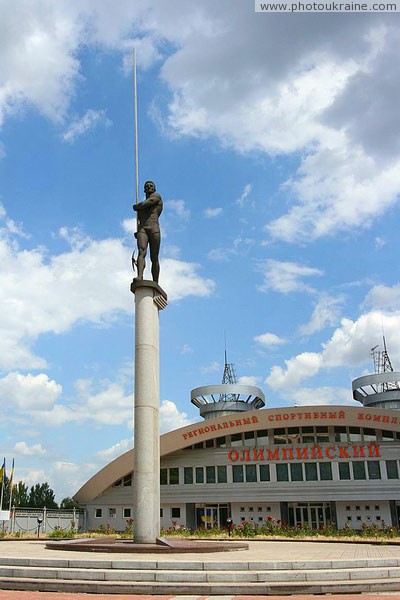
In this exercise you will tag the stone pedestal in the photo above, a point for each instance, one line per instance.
(149, 299)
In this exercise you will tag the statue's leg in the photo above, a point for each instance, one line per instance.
(155, 241)
(142, 242)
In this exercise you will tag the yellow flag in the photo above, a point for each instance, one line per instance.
(10, 480)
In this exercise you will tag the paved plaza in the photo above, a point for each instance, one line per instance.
(308, 552)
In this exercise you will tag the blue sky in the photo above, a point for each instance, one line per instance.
(274, 142)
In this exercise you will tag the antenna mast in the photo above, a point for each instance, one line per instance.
(228, 378)
(383, 364)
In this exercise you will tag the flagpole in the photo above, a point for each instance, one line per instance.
(3, 476)
(10, 485)
(136, 127)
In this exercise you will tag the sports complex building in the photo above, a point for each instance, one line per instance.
(309, 464)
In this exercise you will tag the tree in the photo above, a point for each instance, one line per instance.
(20, 495)
(68, 503)
(41, 495)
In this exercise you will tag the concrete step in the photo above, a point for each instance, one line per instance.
(206, 576)
(204, 589)
(200, 565)
(200, 577)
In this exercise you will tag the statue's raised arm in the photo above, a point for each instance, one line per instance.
(148, 230)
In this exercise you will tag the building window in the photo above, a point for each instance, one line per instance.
(251, 473)
(236, 439)
(369, 435)
(344, 473)
(308, 435)
(348, 508)
(377, 507)
(112, 513)
(163, 476)
(354, 434)
(161, 513)
(282, 473)
(374, 469)
(127, 512)
(392, 469)
(249, 438)
(325, 471)
(280, 436)
(251, 508)
(311, 471)
(125, 481)
(222, 474)
(175, 513)
(378, 517)
(322, 436)
(221, 442)
(349, 518)
(241, 509)
(260, 519)
(296, 472)
(262, 437)
(264, 473)
(340, 434)
(367, 508)
(174, 476)
(387, 436)
(98, 513)
(199, 475)
(259, 508)
(293, 435)
(359, 470)
(188, 474)
(210, 443)
(237, 473)
(210, 474)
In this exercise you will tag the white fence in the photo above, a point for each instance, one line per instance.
(42, 520)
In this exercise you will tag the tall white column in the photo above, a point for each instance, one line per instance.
(149, 299)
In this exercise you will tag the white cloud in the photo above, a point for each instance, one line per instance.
(384, 297)
(186, 349)
(326, 313)
(89, 121)
(40, 305)
(349, 346)
(22, 449)
(320, 396)
(242, 200)
(286, 277)
(250, 380)
(180, 279)
(29, 392)
(300, 101)
(211, 213)
(213, 367)
(269, 339)
(108, 454)
(171, 418)
(179, 208)
(302, 366)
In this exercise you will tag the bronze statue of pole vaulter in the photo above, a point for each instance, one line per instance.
(148, 230)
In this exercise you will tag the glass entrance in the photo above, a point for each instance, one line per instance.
(313, 514)
(211, 515)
